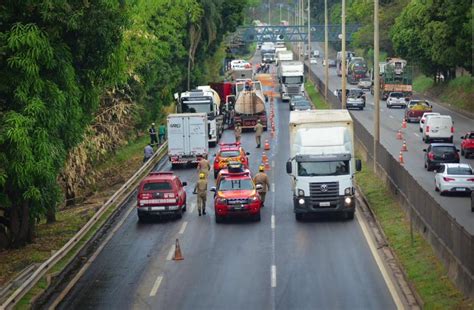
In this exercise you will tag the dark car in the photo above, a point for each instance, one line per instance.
(302, 105)
(294, 99)
(440, 153)
(161, 193)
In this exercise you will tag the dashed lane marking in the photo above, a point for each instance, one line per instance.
(273, 187)
(170, 253)
(183, 227)
(273, 221)
(274, 276)
(391, 116)
(156, 286)
(416, 134)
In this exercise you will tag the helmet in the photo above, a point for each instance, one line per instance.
(261, 168)
(202, 175)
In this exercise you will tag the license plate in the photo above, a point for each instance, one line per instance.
(324, 204)
(434, 130)
(156, 208)
(238, 207)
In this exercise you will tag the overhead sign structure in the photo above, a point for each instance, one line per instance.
(294, 33)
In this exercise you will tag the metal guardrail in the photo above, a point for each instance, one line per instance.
(58, 255)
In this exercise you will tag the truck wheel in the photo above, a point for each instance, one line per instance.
(299, 216)
(142, 218)
(212, 144)
(185, 207)
(427, 139)
(174, 166)
(179, 214)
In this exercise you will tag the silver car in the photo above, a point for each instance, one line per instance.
(365, 83)
(396, 99)
(454, 178)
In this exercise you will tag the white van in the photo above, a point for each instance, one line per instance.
(424, 117)
(438, 127)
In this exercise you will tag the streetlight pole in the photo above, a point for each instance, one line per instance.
(269, 14)
(343, 51)
(280, 11)
(309, 31)
(376, 82)
(326, 50)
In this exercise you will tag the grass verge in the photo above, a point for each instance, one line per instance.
(316, 98)
(422, 83)
(423, 269)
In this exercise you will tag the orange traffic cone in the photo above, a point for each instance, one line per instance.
(400, 158)
(267, 166)
(404, 146)
(404, 123)
(177, 252)
(264, 157)
(266, 146)
(399, 135)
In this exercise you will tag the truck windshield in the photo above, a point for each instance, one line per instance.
(323, 168)
(197, 107)
(292, 79)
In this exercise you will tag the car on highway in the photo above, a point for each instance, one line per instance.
(161, 193)
(364, 83)
(315, 53)
(396, 99)
(424, 117)
(355, 99)
(239, 64)
(454, 178)
(440, 153)
(229, 152)
(467, 144)
(294, 99)
(438, 127)
(235, 194)
(415, 110)
(313, 60)
(303, 105)
(332, 63)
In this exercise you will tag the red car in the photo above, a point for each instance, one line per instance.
(467, 144)
(161, 193)
(236, 194)
(415, 110)
(229, 152)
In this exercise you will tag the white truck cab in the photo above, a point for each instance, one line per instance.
(322, 163)
(291, 78)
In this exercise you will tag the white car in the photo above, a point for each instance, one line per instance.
(313, 61)
(364, 83)
(239, 64)
(396, 99)
(423, 118)
(454, 178)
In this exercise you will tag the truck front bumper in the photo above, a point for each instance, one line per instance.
(305, 204)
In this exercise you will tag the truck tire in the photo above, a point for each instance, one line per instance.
(142, 218)
(179, 214)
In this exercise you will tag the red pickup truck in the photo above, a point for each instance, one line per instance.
(415, 110)
(467, 144)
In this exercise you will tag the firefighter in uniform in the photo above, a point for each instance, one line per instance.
(204, 166)
(258, 132)
(201, 191)
(262, 179)
(237, 132)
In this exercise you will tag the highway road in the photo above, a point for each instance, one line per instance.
(277, 263)
(390, 120)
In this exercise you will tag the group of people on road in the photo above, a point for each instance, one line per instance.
(263, 68)
(258, 129)
(156, 138)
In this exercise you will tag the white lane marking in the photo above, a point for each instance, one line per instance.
(273, 221)
(170, 253)
(416, 134)
(191, 209)
(156, 286)
(273, 187)
(391, 116)
(183, 227)
(390, 285)
(273, 164)
(274, 276)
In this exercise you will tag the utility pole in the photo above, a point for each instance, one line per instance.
(326, 50)
(343, 51)
(309, 31)
(269, 14)
(288, 11)
(376, 82)
(280, 11)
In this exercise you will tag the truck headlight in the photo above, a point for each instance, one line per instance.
(348, 200)
(301, 201)
(348, 191)
(300, 192)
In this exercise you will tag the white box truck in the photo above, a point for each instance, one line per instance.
(291, 78)
(322, 163)
(187, 138)
(283, 56)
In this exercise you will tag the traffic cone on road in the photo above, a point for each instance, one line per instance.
(404, 123)
(177, 251)
(399, 135)
(404, 146)
(264, 157)
(267, 166)
(266, 146)
(400, 158)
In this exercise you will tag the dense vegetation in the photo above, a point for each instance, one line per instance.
(76, 77)
(435, 35)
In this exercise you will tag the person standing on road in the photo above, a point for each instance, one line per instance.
(153, 137)
(201, 190)
(237, 132)
(147, 153)
(204, 166)
(258, 133)
(261, 178)
(162, 133)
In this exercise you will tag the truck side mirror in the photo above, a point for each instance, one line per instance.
(288, 167)
(358, 165)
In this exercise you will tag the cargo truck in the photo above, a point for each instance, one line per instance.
(291, 78)
(322, 163)
(187, 138)
(283, 56)
(249, 105)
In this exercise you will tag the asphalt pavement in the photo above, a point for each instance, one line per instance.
(278, 263)
(390, 122)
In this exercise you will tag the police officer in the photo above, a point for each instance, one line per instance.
(153, 136)
(237, 132)
(204, 166)
(258, 132)
(262, 179)
(201, 190)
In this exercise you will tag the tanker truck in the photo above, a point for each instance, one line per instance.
(249, 105)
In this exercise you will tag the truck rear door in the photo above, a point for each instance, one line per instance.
(197, 136)
(177, 136)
